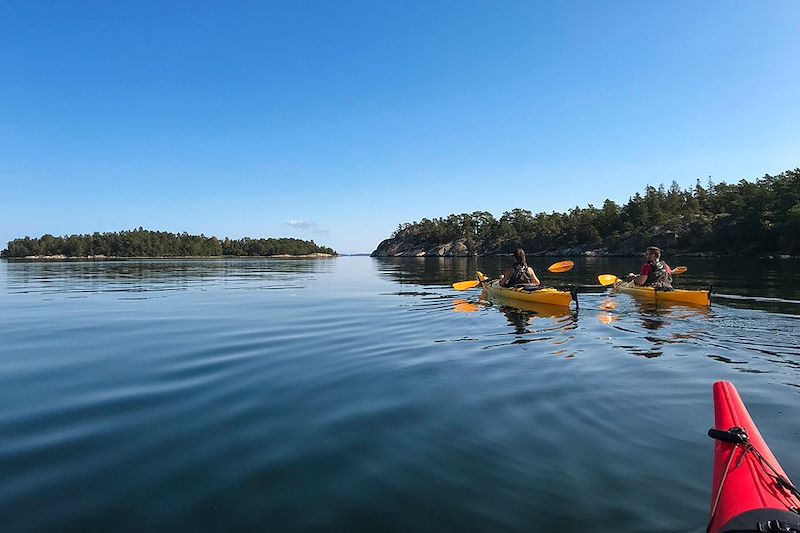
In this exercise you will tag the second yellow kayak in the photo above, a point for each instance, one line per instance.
(675, 295)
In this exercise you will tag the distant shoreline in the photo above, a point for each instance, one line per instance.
(123, 258)
(147, 244)
(699, 255)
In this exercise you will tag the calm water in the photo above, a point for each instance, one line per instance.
(366, 395)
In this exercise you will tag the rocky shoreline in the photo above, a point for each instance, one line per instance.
(460, 248)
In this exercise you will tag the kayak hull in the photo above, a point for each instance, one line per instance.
(547, 296)
(675, 295)
(748, 495)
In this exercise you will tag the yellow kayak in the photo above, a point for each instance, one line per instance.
(675, 295)
(548, 296)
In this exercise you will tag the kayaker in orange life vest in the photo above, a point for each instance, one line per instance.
(654, 272)
(520, 273)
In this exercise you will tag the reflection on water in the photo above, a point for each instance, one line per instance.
(155, 275)
(770, 284)
(463, 306)
(608, 305)
(607, 318)
(364, 394)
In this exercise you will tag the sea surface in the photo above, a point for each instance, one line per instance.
(360, 394)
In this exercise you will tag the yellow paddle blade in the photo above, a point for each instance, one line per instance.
(562, 266)
(481, 276)
(679, 270)
(607, 279)
(464, 285)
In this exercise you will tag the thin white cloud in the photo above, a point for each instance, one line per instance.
(307, 225)
(301, 224)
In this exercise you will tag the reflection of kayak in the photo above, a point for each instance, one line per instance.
(675, 295)
(543, 310)
(548, 296)
(751, 490)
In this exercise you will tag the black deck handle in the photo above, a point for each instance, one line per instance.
(733, 435)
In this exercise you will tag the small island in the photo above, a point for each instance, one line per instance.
(142, 243)
(748, 218)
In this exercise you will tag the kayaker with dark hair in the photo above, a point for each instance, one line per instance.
(654, 272)
(520, 273)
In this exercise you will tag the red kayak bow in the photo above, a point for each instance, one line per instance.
(751, 492)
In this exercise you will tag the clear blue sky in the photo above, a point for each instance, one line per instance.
(339, 120)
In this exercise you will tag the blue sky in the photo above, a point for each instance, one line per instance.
(336, 121)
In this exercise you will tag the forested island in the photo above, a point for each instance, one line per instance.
(144, 243)
(759, 217)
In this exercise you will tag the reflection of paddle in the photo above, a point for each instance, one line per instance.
(556, 268)
(608, 305)
(463, 306)
(607, 318)
(611, 279)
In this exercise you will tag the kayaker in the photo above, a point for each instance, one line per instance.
(520, 273)
(654, 272)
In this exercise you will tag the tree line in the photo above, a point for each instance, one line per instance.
(748, 217)
(145, 243)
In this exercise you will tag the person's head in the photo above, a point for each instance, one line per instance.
(653, 253)
(519, 257)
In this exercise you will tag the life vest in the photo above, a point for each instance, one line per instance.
(659, 277)
(520, 276)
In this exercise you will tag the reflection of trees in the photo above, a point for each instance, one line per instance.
(143, 275)
(446, 270)
(430, 270)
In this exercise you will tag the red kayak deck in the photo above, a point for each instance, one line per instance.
(747, 486)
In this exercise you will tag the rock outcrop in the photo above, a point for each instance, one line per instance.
(398, 247)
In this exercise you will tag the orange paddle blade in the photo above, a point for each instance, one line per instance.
(679, 270)
(465, 285)
(562, 266)
(607, 279)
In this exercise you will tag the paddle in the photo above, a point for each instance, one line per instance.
(611, 279)
(556, 268)
(607, 279)
(464, 285)
(561, 266)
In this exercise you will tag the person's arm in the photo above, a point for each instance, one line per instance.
(505, 276)
(534, 279)
(641, 279)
